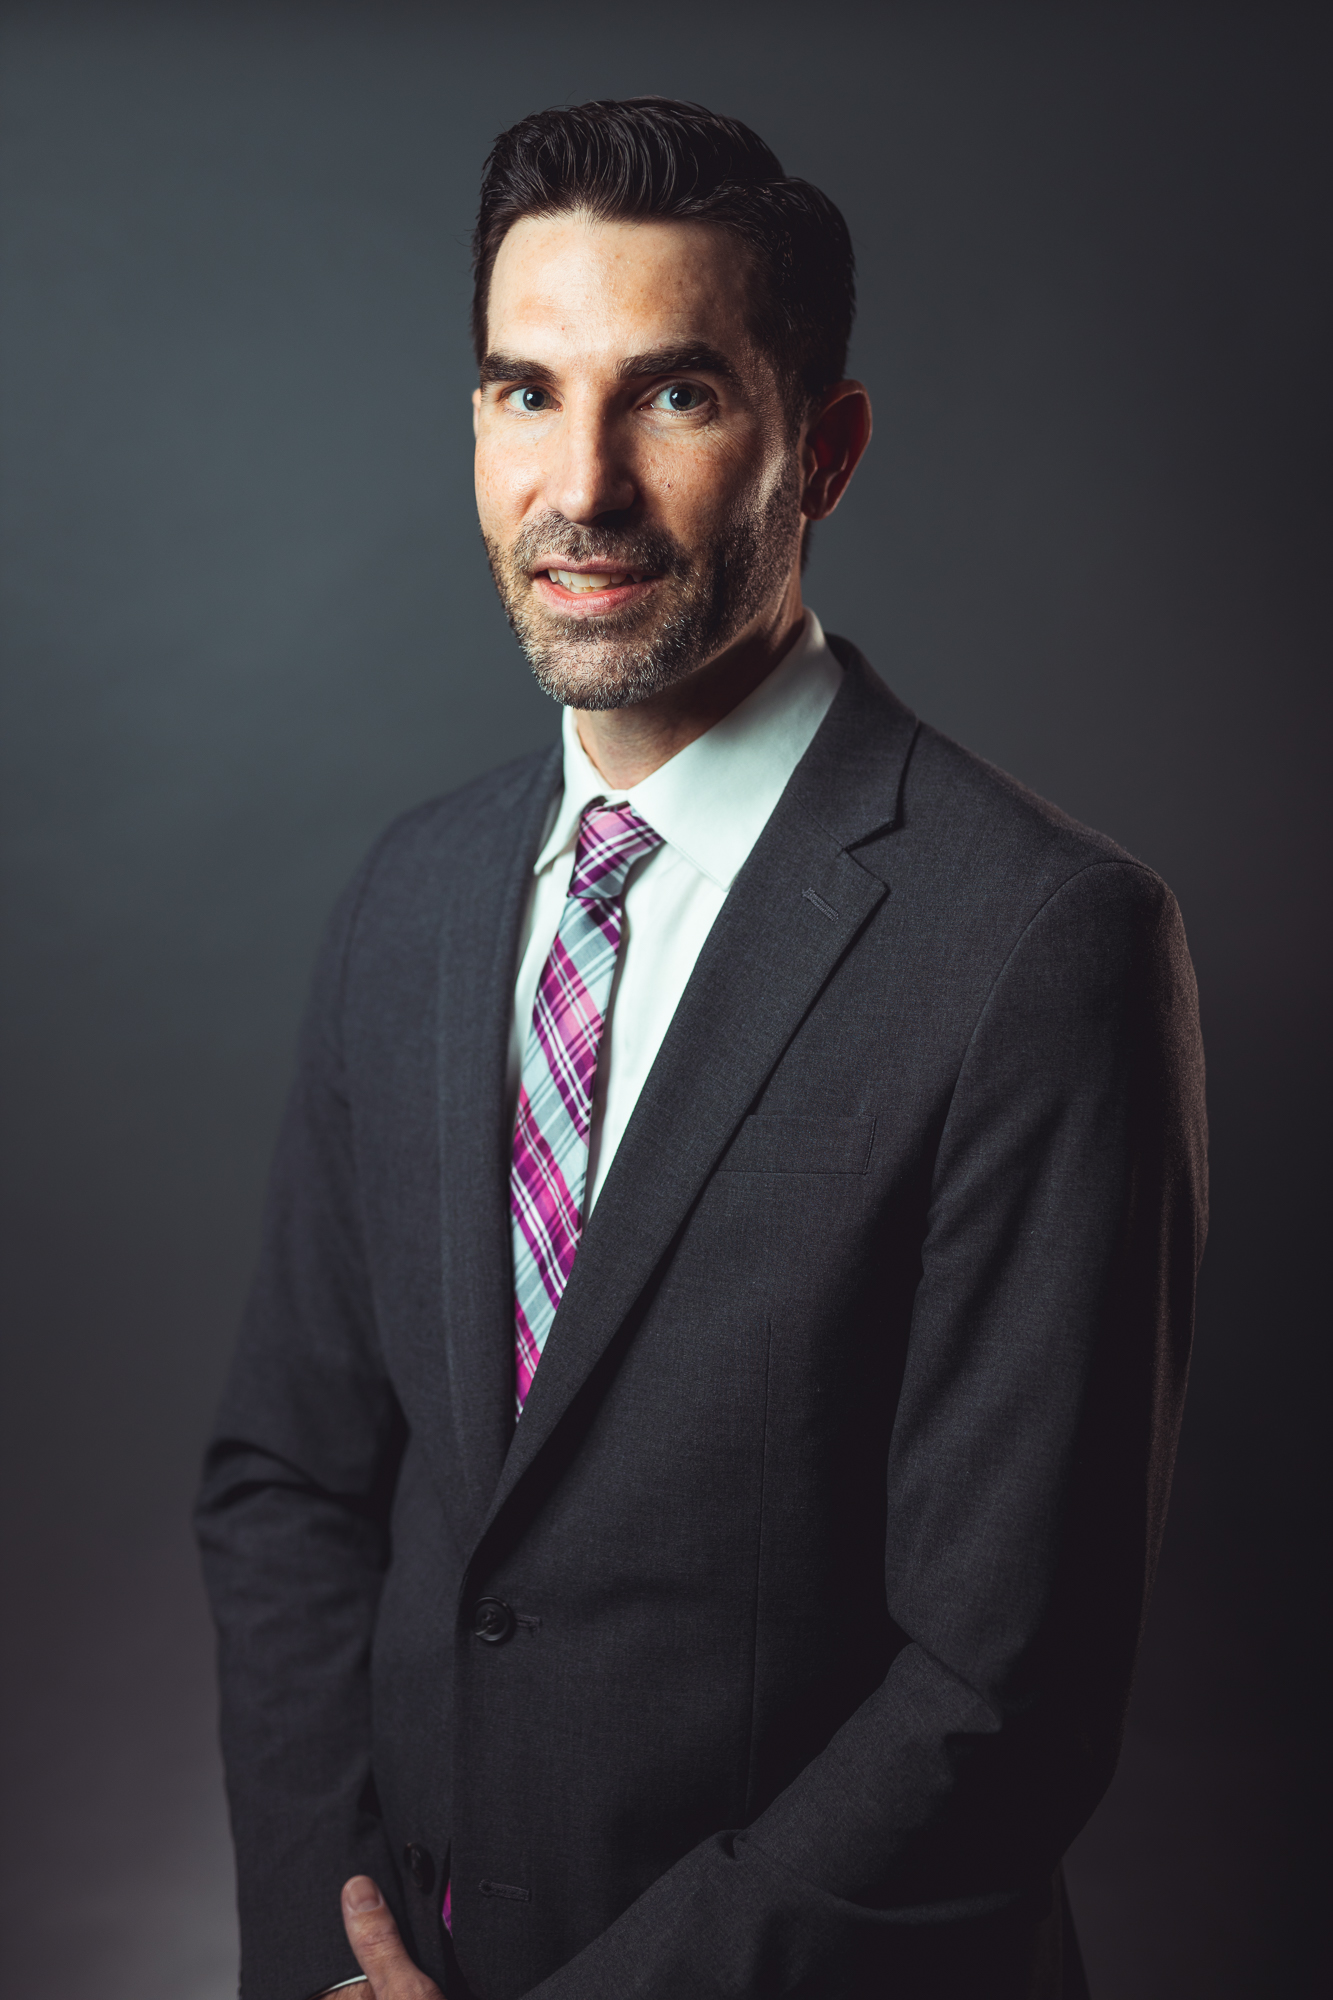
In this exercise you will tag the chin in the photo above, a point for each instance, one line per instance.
(604, 676)
(614, 666)
(612, 669)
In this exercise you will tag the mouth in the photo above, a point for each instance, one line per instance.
(593, 589)
(593, 579)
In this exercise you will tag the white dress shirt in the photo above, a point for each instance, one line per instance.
(710, 803)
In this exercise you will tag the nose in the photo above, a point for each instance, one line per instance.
(589, 475)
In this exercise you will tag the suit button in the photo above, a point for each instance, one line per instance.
(419, 1866)
(492, 1620)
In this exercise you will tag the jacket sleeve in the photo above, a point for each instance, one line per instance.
(1028, 1475)
(292, 1521)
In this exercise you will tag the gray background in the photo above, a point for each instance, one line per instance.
(247, 619)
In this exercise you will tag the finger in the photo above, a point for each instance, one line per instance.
(373, 1936)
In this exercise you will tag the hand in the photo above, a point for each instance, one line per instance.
(373, 1936)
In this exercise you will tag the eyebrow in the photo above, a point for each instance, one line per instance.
(507, 368)
(688, 360)
(691, 359)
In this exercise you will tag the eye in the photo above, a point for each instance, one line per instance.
(530, 401)
(681, 398)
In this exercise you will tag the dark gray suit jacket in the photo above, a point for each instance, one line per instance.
(821, 1550)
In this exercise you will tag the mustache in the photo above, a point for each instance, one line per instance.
(551, 535)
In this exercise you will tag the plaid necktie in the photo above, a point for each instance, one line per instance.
(550, 1157)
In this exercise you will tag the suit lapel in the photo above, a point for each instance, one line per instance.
(479, 953)
(794, 909)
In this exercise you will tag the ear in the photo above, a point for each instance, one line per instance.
(476, 410)
(836, 434)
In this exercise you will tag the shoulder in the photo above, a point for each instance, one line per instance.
(981, 813)
(981, 841)
(476, 822)
(473, 829)
(966, 828)
(460, 850)
(975, 860)
(1031, 892)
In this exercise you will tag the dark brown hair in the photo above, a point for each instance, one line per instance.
(656, 158)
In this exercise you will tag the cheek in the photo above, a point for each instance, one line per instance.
(696, 489)
(503, 482)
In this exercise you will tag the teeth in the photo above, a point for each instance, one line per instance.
(577, 579)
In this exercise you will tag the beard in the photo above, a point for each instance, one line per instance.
(703, 599)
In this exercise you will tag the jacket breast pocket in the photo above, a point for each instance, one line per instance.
(783, 1145)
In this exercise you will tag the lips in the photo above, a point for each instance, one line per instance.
(590, 592)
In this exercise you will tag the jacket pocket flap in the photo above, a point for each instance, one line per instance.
(781, 1145)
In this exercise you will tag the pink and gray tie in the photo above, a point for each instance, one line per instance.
(550, 1157)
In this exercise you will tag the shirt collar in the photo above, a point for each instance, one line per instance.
(712, 800)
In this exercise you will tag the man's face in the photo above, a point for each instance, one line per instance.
(638, 480)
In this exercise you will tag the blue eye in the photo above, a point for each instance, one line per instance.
(680, 398)
(531, 401)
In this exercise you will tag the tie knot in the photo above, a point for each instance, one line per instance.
(611, 840)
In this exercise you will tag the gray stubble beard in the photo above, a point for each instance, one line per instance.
(614, 662)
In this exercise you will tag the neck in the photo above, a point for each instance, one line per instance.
(626, 745)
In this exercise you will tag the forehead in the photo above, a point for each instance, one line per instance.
(569, 285)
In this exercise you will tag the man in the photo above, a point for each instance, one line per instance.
(682, 1514)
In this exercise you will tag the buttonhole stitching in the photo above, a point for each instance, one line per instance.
(820, 904)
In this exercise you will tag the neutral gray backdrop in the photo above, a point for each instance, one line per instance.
(247, 619)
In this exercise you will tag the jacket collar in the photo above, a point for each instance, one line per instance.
(465, 1401)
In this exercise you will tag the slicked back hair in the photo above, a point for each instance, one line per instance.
(654, 158)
